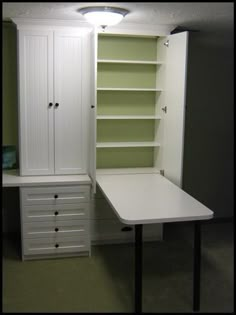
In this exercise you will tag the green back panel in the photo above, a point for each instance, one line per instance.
(124, 157)
(9, 101)
(126, 75)
(127, 48)
(125, 103)
(125, 130)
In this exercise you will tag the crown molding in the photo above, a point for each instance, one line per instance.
(138, 29)
(25, 22)
(122, 28)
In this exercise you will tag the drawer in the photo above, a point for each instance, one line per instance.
(50, 246)
(55, 230)
(54, 195)
(55, 213)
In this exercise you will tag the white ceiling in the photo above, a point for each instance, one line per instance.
(205, 16)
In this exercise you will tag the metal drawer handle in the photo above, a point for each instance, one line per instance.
(56, 212)
(56, 245)
(55, 196)
(56, 229)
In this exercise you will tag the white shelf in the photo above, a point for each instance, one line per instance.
(127, 144)
(142, 62)
(130, 89)
(12, 178)
(128, 117)
(133, 170)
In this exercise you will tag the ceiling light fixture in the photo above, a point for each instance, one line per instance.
(103, 16)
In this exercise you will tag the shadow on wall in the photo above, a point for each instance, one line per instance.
(208, 156)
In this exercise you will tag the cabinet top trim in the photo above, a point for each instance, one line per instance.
(54, 24)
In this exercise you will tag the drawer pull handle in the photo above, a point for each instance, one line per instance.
(56, 229)
(55, 196)
(56, 245)
(56, 212)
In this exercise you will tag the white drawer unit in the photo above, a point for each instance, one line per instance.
(55, 229)
(55, 195)
(55, 221)
(56, 213)
(49, 245)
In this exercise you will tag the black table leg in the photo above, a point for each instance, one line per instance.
(138, 268)
(197, 266)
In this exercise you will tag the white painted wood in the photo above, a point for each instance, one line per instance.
(70, 62)
(134, 170)
(150, 198)
(11, 178)
(46, 195)
(127, 144)
(36, 92)
(46, 245)
(130, 61)
(93, 111)
(56, 213)
(128, 117)
(175, 90)
(26, 23)
(55, 229)
(129, 89)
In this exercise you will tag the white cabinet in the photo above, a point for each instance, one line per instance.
(55, 221)
(141, 102)
(140, 107)
(54, 99)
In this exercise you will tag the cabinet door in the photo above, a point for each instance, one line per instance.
(72, 94)
(35, 94)
(175, 89)
(93, 112)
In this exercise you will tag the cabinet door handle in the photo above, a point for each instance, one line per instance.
(56, 245)
(55, 196)
(56, 229)
(56, 212)
(50, 104)
(57, 104)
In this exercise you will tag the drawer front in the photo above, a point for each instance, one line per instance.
(55, 213)
(55, 195)
(50, 246)
(56, 230)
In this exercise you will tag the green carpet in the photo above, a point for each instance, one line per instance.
(104, 281)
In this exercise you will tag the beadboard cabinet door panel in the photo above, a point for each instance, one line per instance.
(35, 94)
(70, 150)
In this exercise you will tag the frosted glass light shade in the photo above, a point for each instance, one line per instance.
(103, 16)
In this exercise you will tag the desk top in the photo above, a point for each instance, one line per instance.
(11, 178)
(150, 198)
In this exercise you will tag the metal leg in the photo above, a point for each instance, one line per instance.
(138, 268)
(197, 266)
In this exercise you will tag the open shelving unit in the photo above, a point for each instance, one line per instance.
(129, 101)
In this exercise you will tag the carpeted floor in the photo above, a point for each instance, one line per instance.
(104, 281)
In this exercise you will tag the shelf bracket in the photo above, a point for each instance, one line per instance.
(164, 109)
(162, 172)
(167, 43)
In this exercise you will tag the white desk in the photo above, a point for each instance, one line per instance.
(139, 199)
(11, 178)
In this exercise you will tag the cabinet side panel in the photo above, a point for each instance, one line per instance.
(173, 138)
(36, 117)
(70, 138)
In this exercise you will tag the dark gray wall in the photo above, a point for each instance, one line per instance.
(208, 155)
